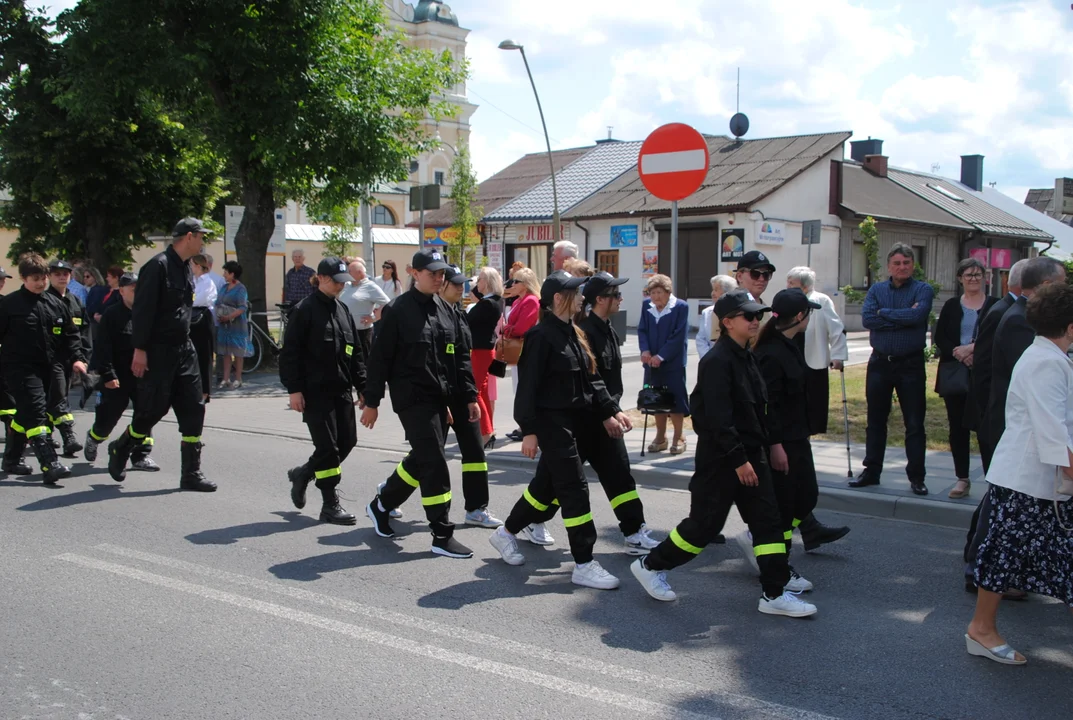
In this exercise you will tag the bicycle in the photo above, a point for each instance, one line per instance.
(262, 340)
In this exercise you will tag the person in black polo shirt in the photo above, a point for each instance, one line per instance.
(165, 361)
(896, 314)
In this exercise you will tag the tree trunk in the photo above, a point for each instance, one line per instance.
(251, 241)
(95, 239)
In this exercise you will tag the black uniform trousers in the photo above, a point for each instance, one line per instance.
(608, 457)
(29, 387)
(59, 411)
(172, 382)
(7, 403)
(818, 391)
(474, 463)
(333, 428)
(713, 488)
(202, 336)
(424, 467)
(113, 403)
(797, 491)
(559, 480)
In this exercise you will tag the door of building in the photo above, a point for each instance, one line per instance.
(607, 261)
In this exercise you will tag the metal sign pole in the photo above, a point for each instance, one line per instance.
(674, 245)
(421, 237)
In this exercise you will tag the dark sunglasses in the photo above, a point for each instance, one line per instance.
(386, 267)
(749, 315)
(760, 274)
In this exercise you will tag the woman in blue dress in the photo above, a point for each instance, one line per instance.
(232, 302)
(663, 335)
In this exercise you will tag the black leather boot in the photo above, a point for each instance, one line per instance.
(71, 446)
(119, 453)
(192, 479)
(814, 533)
(50, 464)
(300, 478)
(333, 512)
(13, 449)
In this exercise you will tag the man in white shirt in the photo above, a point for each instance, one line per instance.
(561, 252)
(363, 298)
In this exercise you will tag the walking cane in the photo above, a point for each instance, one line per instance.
(845, 417)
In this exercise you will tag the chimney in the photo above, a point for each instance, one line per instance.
(972, 171)
(876, 164)
(859, 148)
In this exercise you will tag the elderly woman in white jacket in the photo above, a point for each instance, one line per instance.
(708, 332)
(824, 345)
(1029, 545)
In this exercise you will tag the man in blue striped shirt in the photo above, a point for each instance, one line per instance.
(896, 314)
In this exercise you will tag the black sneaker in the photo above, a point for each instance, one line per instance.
(145, 464)
(380, 518)
(449, 547)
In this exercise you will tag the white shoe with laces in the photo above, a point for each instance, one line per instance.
(537, 534)
(592, 574)
(396, 513)
(641, 542)
(482, 518)
(654, 582)
(745, 542)
(797, 583)
(787, 604)
(507, 546)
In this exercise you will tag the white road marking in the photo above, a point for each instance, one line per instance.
(511, 647)
(680, 161)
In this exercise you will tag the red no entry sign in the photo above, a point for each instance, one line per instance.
(673, 162)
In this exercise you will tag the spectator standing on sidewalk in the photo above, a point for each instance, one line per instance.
(896, 314)
(708, 332)
(524, 314)
(561, 252)
(663, 337)
(363, 298)
(297, 284)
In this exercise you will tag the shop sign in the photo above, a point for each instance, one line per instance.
(623, 236)
(771, 233)
(733, 244)
(538, 233)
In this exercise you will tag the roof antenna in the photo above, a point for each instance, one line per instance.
(610, 128)
(739, 124)
(934, 168)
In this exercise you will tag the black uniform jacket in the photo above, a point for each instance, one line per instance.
(458, 391)
(1012, 337)
(983, 363)
(783, 367)
(728, 403)
(321, 356)
(79, 318)
(553, 374)
(419, 354)
(604, 343)
(37, 330)
(162, 302)
(115, 352)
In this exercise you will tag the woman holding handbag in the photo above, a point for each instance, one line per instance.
(955, 335)
(524, 314)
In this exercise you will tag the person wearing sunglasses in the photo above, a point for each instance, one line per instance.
(728, 410)
(754, 273)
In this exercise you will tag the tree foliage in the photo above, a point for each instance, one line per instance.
(466, 213)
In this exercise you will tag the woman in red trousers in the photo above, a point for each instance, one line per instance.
(483, 318)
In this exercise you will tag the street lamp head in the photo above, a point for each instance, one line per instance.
(509, 45)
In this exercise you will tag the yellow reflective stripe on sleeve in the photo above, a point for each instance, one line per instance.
(436, 499)
(349, 349)
(624, 498)
(332, 472)
(137, 436)
(788, 535)
(187, 438)
(579, 520)
(97, 437)
(475, 467)
(34, 432)
(7, 412)
(407, 477)
(76, 321)
(682, 544)
(450, 348)
(147, 441)
(770, 549)
(796, 522)
(18, 428)
(533, 501)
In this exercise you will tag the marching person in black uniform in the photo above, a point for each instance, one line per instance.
(728, 406)
(417, 355)
(36, 333)
(558, 394)
(7, 403)
(118, 387)
(785, 372)
(468, 433)
(59, 411)
(165, 362)
(321, 362)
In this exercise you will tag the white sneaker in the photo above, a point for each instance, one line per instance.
(537, 534)
(396, 513)
(641, 543)
(797, 583)
(592, 574)
(507, 545)
(745, 542)
(482, 518)
(654, 582)
(786, 604)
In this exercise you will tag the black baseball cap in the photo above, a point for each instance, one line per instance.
(335, 268)
(755, 260)
(738, 301)
(3, 274)
(558, 282)
(790, 302)
(429, 259)
(454, 275)
(599, 283)
(189, 225)
(60, 265)
(127, 279)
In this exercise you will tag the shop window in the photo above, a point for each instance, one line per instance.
(607, 261)
(383, 215)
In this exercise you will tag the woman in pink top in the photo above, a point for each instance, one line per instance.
(524, 314)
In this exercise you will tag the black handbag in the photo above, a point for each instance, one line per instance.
(656, 399)
(498, 368)
(952, 379)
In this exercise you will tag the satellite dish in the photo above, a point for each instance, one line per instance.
(739, 125)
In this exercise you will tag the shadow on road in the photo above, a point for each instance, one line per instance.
(498, 581)
(291, 521)
(95, 493)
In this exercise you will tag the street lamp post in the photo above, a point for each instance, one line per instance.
(511, 45)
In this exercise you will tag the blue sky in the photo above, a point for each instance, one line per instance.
(934, 80)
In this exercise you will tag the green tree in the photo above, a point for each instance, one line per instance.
(464, 208)
(313, 100)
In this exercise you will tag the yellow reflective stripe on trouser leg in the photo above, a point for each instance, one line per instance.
(788, 535)
(796, 522)
(624, 498)
(188, 438)
(331, 472)
(436, 499)
(136, 436)
(97, 437)
(770, 549)
(579, 520)
(682, 544)
(475, 467)
(533, 501)
(34, 432)
(148, 440)
(18, 428)
(63, 419)
(407, 477)
(7, 412)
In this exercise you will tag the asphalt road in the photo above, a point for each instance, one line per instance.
(139, 601)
